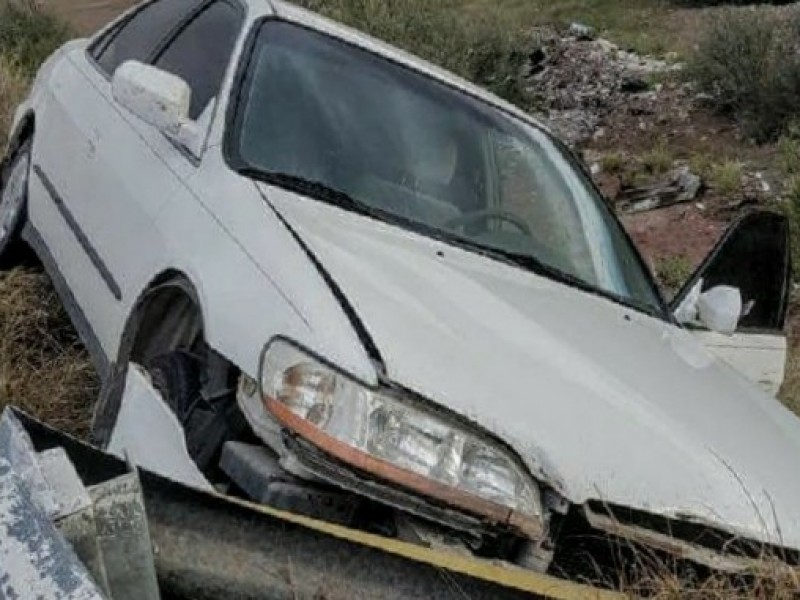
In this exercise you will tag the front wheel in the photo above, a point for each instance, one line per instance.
(177, 376)
(13, 201)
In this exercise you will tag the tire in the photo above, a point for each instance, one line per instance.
(14, 203)
(178, 378)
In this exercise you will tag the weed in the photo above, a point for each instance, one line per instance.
(726, 177)
(702, 164)
(613, 162)
(658, 159)
(672, 272)
(789, 149)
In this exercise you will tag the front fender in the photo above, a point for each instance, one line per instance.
(28, 108)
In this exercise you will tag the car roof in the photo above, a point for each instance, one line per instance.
(295, 14)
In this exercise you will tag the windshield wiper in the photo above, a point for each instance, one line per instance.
(313, 189)
(546, 270)
(539, 267)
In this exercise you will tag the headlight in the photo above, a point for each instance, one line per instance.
(398, 439)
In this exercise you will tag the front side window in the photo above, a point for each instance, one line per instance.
(200, 53)
(413, 151)
(139, 37)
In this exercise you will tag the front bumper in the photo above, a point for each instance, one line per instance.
(696, 542)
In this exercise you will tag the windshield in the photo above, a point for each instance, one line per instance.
(417, 152)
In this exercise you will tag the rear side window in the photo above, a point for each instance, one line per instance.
(140, 36)
(200, 53)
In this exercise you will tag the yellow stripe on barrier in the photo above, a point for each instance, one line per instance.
(503, 574)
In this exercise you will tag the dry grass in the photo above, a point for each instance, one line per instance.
(12, 90)
(43, 366)
(775, 582)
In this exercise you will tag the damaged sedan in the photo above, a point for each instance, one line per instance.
(323, 274)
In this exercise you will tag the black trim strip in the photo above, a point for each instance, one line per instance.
(85, 331)
(351, 314)
(98, 263)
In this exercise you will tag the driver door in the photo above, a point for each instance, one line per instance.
(754, 257)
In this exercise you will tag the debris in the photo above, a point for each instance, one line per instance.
(681, 185)
(763, 184)
(582, 32)
(578, 79)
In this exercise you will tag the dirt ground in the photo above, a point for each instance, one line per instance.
(87, 16)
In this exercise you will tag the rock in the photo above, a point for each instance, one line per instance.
(764, 185)
(680, 185)
(688, 183)
(582, 32)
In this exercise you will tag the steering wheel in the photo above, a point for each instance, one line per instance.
(488, 214)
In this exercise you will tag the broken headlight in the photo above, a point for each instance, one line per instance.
(399, 439)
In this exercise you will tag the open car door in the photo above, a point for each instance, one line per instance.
(754, 258)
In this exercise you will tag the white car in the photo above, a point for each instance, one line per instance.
(373, 293)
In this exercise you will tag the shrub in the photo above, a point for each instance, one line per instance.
(483, 50)
(748, 62)
(29, 35)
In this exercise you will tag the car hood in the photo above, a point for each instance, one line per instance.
(600, 401)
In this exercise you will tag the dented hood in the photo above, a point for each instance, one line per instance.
(600, 401)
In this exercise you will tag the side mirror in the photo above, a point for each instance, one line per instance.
(156, 97)
(718, 309)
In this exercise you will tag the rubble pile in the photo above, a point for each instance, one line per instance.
(576, 79)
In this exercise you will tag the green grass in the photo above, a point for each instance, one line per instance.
(485, 49)
(488, 42)
(613, 162)
(702, 164)
(629, 23)
(726, 177)
(672, 272)
(789, 151)
(658, 159)
(28, 36)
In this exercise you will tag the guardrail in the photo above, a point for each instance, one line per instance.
(206, 545)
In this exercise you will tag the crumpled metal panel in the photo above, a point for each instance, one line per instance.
(60, 541)
(17, 449)
(35, 559)
(124, 539)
